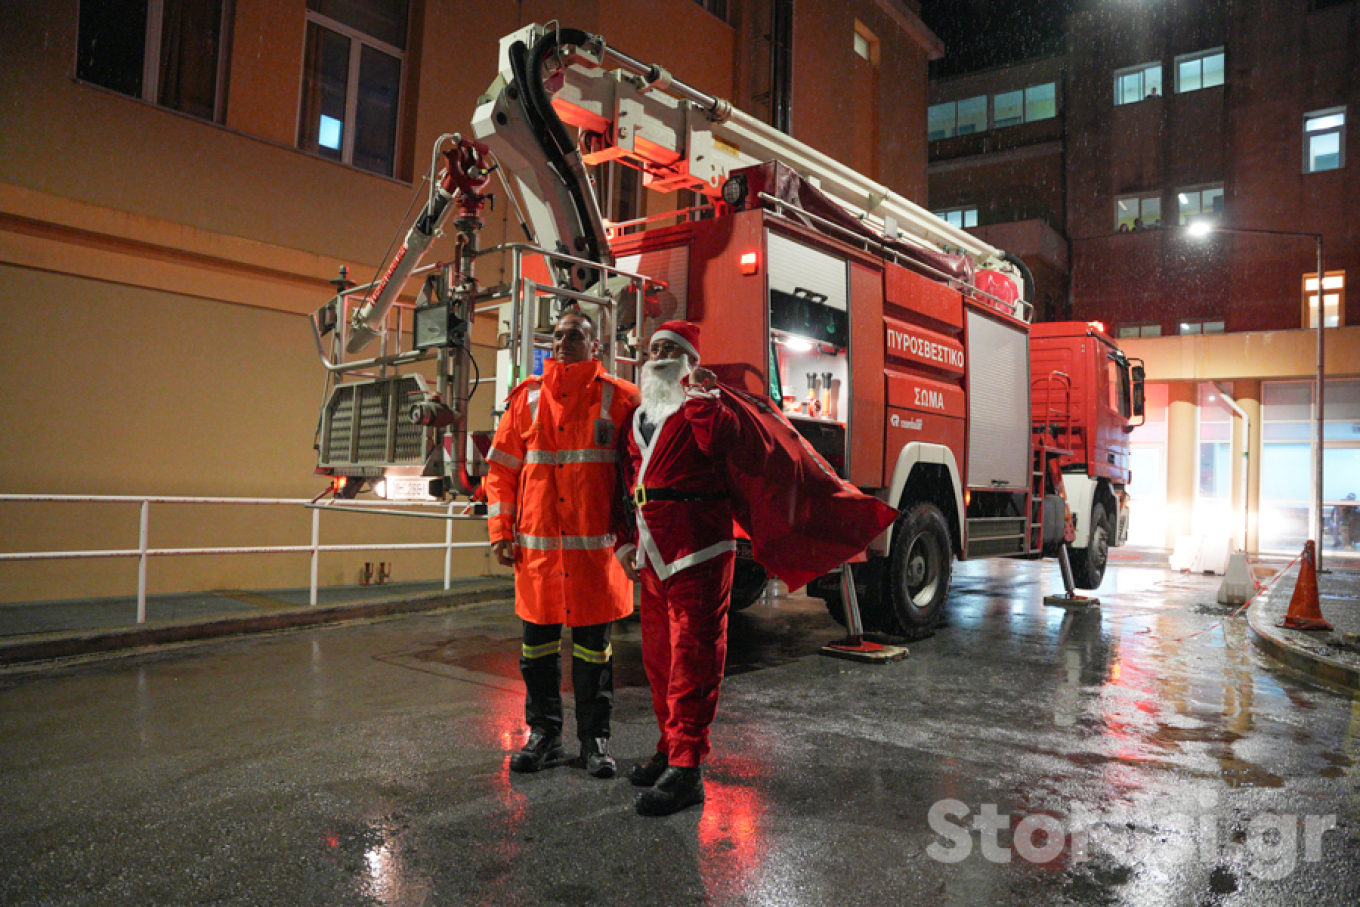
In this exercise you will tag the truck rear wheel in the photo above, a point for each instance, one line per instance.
(918, 571)
(1088, 564)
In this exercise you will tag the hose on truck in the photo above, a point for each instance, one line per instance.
(527, 65)
(1025, 274)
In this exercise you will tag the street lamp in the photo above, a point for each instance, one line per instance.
(1203, 227)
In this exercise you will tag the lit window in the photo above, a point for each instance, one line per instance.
(1201, 326)
(866, 45)
(963, 218)
(1193, 203)
(1137, 82)
(1008, 109)
(941, 121)
(1324, 140)
(351, 81)
(1041, 102)
(1333, 298)
(168, 52)
(1140, 330)
(1037, 102)
(973, 115)
(1137, 212)
(1199, 70)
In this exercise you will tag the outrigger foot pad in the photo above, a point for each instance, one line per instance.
(854, 649)
(1073, 602)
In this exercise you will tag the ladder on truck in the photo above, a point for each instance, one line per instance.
(1051, 421)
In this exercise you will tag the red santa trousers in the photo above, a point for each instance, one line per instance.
(684, 650)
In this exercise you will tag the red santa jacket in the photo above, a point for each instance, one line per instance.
(685, 456)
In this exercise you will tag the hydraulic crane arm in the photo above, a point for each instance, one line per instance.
(466, 175)
(680, 137)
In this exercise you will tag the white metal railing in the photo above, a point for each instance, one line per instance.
(143, 552)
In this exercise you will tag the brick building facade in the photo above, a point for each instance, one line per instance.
(1224, 114)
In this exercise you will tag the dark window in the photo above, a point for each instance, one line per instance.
(169, 52)
(351, 81)
(382, 20)
(112, 44)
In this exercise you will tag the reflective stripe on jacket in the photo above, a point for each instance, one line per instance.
(553, 487)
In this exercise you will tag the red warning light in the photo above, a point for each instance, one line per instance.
(750, 263)
(1097, 326)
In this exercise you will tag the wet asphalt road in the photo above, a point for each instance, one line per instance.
(1103, 757)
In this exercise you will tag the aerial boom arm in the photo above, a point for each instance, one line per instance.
(679, 136)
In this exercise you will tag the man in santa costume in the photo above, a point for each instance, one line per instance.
(700, 455)
(683, 558)
(553, 493)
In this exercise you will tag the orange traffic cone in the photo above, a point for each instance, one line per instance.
(1304, 612)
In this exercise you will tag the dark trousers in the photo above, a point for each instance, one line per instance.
(592, 677)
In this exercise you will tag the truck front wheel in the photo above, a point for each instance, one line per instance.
(1088, 564)
(918, 571)
(748, 584)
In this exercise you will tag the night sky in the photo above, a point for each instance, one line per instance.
(979, 34)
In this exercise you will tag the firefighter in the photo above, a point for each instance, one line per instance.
(683, 558)
(553, 491)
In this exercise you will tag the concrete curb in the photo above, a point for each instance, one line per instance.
(1299, 651)
(53, 646)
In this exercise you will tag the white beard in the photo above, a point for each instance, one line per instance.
(662, 392)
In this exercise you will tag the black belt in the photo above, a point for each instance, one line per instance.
(643, 495)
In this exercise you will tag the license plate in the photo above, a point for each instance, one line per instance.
(409, 490)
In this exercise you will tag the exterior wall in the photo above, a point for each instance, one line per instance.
(1282, 61)
(1011, 173)
(884, 103)
(158, 270)
(1016, 177)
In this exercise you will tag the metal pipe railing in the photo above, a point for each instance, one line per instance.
(143, 552)
(1023, 310)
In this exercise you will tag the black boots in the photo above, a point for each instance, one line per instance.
(540, 749)
(644, 774)
(544, 750)
(595, 755)
(676, 789)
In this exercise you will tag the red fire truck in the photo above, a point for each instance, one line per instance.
(899, 346)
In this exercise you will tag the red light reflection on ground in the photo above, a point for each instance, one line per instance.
(500, 720)
(732, 832)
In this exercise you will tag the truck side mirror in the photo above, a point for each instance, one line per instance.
(1137, 372)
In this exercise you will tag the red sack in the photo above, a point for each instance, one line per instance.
(802, 518)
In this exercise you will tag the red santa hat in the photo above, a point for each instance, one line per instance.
(684, 334)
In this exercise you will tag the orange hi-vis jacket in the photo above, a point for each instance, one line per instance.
(554, 488)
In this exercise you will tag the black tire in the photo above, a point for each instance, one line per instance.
(918, 571)
(1088, 564)
(868, 583)
(748, 583)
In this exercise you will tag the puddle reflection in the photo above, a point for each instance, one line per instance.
(732, 832)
